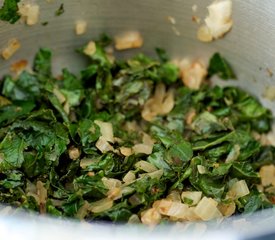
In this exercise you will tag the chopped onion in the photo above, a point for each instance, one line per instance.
(101, 205)
(194, 196)
(145, 166)
(207, 209)
(191, 215)
(29, 12)
(162, 206)
(174, 196)
(106, 130)
(41, 192)
(193, 74)
(238, 189)
(204, 34)
(160, 104)
(80, 27)
(129, 177)
(155, 175)
(12, 47)
(90, 48)
(19, 66)
(128, 40)
(60, 96)
(201, 169)
(142, 148)
(74, 153)
(267, 174)
(146, 139)
(178, 210)
(218, 22)
(111, 183)
(233, 154)
(168, 103)
(103, 145)
(85, 162)
(115, 193)
(150, 217)
(227, 210)
(126, 151)
(134, 219)
(83, 210)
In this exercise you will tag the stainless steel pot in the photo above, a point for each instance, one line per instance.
(249, 47)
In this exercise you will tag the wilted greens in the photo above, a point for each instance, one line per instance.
(9, 11)
(88, 146)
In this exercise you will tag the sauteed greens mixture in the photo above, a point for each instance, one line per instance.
(127, 141)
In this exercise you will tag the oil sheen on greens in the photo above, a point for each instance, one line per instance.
(43, 119)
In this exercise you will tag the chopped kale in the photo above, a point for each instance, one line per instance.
(9, 11)
(80, 145)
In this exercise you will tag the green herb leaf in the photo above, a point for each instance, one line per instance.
(9, 11)
(218, 65)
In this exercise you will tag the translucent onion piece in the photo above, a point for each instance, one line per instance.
(267, 174)
(194, 196)
(207, 209)
(128, 40)
(150, 217)
(101, 205)
(239, 189)
(106, 130)
(146, 166)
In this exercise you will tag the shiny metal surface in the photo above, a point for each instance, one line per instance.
(249, 47)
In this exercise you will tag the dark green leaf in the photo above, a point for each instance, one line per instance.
(218, 65)
(9, 11)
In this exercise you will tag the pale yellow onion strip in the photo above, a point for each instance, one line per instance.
(146, 166)
(12, 47)
(267, 174)
(218, 22)
(106, 130)
(111, 183)
(126, 151)
(129, 177)
(42, 196)
(80, 27)
(238, 189)
(143, 148)
(83, 210)
(154, 175)
(160, 104)
(29, 12)
(174, 196)
(207, 209)
(227, 210)
(90, 48)
(178, 210)
(193, 195)
(134, 219)
(168, 103)
(128, 40)
(103, 145)
(191, 215)
(150, 217)
(101, 205)
(194, 74)
(162, 206)
(115, 193)
(160, 93)
(146, 139)
(59, 95)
